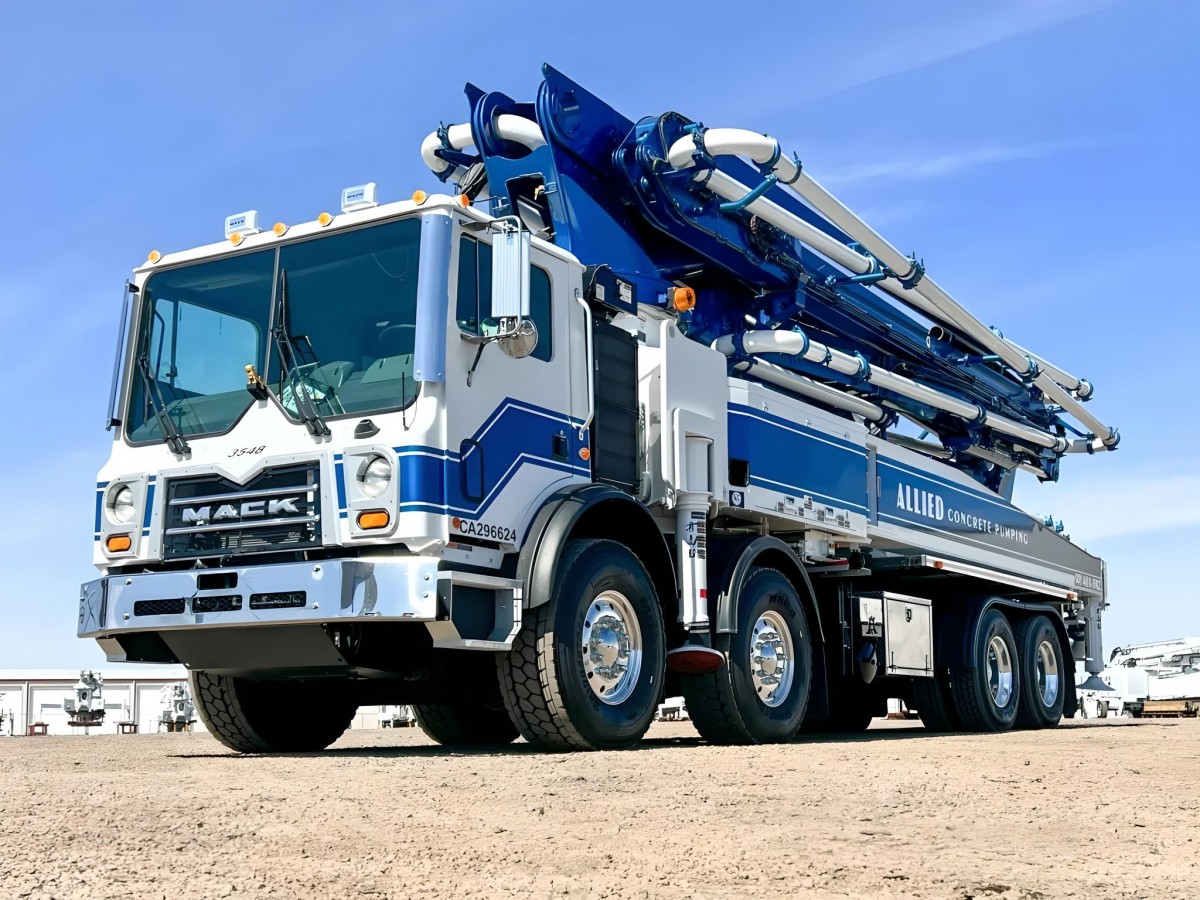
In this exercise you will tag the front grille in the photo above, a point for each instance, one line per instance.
(226, 603)
(158, 607)
(284, 600)
(210, 515)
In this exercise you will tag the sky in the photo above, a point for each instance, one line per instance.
(1040, 155)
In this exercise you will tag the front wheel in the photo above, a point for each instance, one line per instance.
(586, 670)
(1042, 671)
(272, 716)
(761, 694)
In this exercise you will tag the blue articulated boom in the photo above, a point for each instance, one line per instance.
(666, 203)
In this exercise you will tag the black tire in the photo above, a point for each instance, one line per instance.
(466, 724)
(272, 716)
(934, 704)
(977, 708)
(543, 681)
(477, 720)
(725, 706)
(1035, 636)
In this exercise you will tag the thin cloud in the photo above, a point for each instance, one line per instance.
(929, 41)
(917, 168)
(1103, 506)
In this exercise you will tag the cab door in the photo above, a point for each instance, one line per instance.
(512, 424)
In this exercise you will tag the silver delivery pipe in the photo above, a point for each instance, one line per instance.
(806, 387)
(796, 343)
(927, 296)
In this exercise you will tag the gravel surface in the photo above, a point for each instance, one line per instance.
(1092, 809)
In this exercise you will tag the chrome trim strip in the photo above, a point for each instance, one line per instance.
(242, 495)
(242, 526)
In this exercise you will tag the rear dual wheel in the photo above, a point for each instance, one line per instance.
(987, 694)
(1042, 672)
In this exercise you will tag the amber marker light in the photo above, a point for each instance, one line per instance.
(153, 256)
(585, 454)
(682, 298)
(374, 518)
(324, 218)
(236, 238)
(464, 200)
(419, 197)
(280, 229)
(119, 543)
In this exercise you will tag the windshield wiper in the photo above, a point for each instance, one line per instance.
(171, 434)
(305, 407)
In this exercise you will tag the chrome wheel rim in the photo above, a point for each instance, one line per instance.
(1048, 678)
(1000, 671)
(611, 647)
(772, 659)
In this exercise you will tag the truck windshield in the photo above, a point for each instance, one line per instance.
(349, 317)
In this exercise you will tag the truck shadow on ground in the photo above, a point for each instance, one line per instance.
(915, 732)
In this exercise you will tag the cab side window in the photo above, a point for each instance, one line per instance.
(475, 295)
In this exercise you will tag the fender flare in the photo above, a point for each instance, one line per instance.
(593, 510)
(953, 640)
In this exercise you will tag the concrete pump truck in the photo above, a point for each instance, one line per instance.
(634, 409)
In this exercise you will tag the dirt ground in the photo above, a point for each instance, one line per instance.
(1094, 809)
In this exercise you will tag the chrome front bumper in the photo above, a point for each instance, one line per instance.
(331, 591)
(404, 589)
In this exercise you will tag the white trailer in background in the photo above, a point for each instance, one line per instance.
(1158, 679)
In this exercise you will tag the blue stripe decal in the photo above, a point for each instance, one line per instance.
(513, 436)
(340, 479)
(750, 412)
(149, 504)
(781, 451)
(99, 512)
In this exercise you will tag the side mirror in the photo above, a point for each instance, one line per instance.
(510, 274)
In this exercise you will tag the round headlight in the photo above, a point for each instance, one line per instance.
(121, 505)
(375, 476)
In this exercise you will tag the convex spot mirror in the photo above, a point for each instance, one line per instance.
(522, 341)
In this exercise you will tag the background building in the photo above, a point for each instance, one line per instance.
(131, 694)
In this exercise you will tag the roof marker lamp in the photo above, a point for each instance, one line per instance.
(361, 196)
(324, 219)
(239, 225)
(375, 476)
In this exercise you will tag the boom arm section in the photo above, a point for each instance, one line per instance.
(780, 267)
